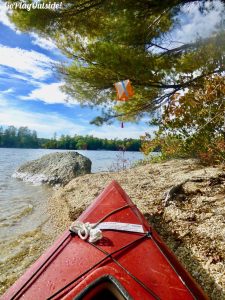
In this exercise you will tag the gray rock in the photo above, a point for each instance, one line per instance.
(55, 169)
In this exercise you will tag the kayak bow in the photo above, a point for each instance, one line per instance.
(111, 253)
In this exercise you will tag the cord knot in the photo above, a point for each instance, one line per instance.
(86, 231)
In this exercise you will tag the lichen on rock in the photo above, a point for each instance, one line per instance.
(55, 168)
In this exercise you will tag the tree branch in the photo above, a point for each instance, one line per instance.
(82, 8)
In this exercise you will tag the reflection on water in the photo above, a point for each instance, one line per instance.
(23, 209)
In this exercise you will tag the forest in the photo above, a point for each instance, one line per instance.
(23, 137)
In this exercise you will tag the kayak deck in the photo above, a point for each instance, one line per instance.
(122, 265)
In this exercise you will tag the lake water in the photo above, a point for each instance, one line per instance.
(23, 207)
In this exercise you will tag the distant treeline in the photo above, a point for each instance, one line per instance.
(23, 137)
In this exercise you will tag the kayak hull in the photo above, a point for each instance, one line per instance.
(139, 266)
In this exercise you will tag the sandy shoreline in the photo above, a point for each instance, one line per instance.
(192, 224)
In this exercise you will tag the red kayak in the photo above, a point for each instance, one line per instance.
(117, 256)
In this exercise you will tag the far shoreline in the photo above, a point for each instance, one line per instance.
(23, 137)
(119, 150)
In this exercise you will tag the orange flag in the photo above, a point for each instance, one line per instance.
(124, 90)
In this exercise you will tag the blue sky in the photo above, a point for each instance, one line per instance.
(30, 92)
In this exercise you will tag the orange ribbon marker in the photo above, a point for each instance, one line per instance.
(124, 91)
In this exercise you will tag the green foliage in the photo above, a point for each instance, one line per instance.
(193, 125)
(108, 41)
(12, 137)
(92, 143)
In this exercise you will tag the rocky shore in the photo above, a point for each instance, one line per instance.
(184, 201)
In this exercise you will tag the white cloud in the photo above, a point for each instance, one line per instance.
(48, 93)
(45, 126)
(4, 19)
(196, 24)
(8, 91)
(24, 78)
(32, 63)
(42, 42)
(19, 77)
